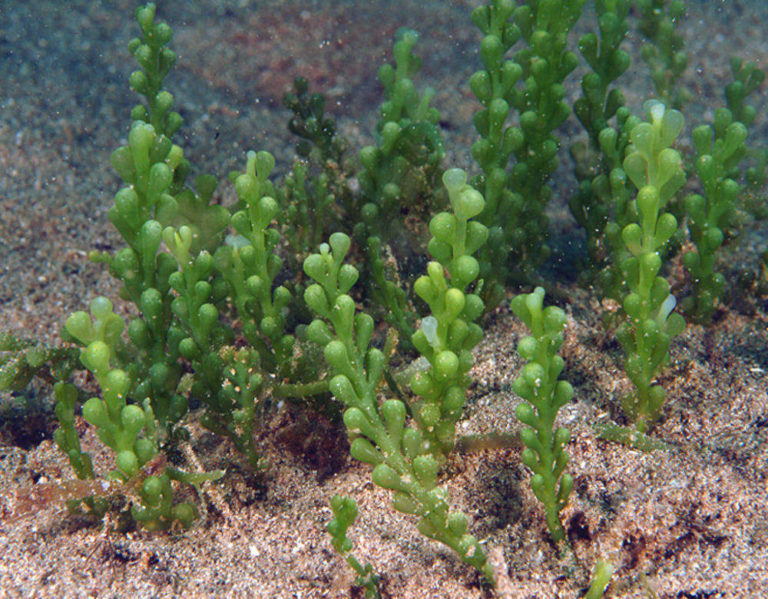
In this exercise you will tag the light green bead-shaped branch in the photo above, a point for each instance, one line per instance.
(250, 263)
(128, 429)
(656, 170)
(538, 384)
(118, 423)
(155, 61)
(447, 336)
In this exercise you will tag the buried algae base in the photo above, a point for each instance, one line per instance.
(686, 519)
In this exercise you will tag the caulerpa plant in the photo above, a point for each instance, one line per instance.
(656, 170)
(407, 441)
(210, 322)
(538, 384)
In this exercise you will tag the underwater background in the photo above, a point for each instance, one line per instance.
(64, 107)
(64, 97)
